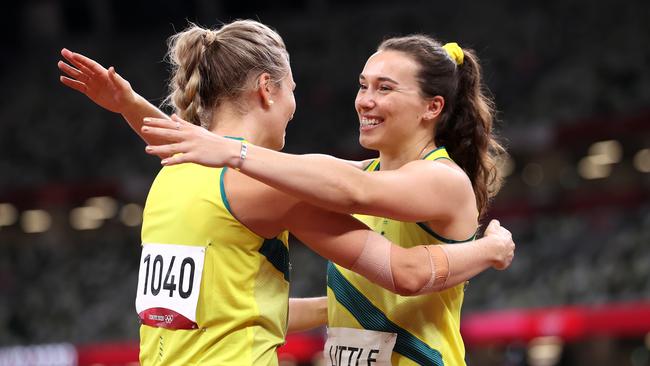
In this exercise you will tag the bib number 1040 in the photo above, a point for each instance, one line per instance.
(185, 279)
(169, 284)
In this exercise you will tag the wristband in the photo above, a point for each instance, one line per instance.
(242, 153)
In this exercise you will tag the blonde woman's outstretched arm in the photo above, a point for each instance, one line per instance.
(107, 89)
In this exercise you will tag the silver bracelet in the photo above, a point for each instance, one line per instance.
(243, 152)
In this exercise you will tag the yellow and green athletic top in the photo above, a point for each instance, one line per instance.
(427, 326)
(241, 313)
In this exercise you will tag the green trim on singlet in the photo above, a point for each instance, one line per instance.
(424, 225)
(426, 228)
(372, 318)
(224, 198)
(376, 166)
(432, 151)
(277, 254)
(273, 249)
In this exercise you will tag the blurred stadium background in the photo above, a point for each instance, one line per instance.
(571, 81)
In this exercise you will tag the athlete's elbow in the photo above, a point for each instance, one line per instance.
(408, 281)
(407, 287)
(350, 199)
(410, 274)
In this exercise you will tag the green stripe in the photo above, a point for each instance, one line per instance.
(277, 254)
(224, 198)
(367, 168)
(370, 317)
(432, 151)
(426, 228)
(369, 165)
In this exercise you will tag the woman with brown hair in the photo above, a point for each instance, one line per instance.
(366, 321)
(420, 104)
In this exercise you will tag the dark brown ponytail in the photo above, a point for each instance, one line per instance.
(468, 134)
(465, 124)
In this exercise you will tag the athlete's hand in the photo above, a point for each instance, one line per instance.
(188, 143)
(504, 246)
(104, 87)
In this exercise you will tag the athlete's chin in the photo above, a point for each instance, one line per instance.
(280, 144)
(368, 142)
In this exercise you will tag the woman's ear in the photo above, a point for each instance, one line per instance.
(434, 107)
(265, 89)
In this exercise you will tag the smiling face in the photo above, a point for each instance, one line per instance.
(389, 103)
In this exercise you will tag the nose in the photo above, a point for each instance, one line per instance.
(365, 100)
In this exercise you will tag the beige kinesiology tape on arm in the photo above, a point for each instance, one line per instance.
(374, 261)
(374, 264)
(439, 263)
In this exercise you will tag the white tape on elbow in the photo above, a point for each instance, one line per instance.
(374, 261)
(439, 262)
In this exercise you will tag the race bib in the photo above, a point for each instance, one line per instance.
(358, 347)
(169, 281)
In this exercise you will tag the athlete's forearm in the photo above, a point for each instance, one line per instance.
(466, 260)
(319, 180)
(307, 313)
(463, 261)
(405, 271)
(136, 111)
(425, 268)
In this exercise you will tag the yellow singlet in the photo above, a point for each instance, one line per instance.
(427, 326)
(241, 315)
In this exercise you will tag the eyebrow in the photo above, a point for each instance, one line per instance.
(381, 78)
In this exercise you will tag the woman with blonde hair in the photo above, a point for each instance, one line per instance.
(226, 232)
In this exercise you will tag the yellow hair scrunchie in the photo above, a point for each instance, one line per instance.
(455, 52)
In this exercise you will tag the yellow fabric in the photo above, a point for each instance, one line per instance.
(433, 318)
(455, 52)
(243, 303)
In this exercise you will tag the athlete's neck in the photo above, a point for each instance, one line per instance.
(392, 159)
(227, 120)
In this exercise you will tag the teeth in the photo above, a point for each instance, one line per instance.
(369, 121)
